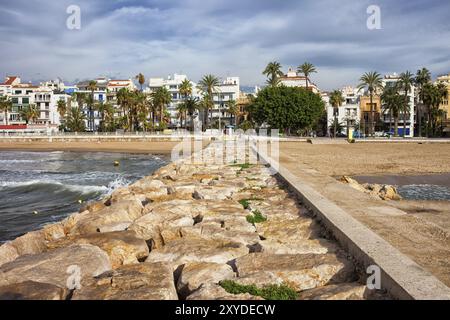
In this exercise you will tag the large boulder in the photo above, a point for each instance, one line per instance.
(8, 253)
(150, 226)
(214, 192)
(182, 251)
(120, 212)
(122, 247)
(195, 274)
(30, 290)
(217, 231)
(53, 266)
(297, 247)
(287, 230)
(144, 281)
(30, 243)
(213, 291)
(299, 271)
(344, 291)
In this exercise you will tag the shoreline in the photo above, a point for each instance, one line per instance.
(136, 147)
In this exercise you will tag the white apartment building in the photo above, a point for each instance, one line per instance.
(172, 84)
(228, 90)
(348, 114)
(391, 80)
(24, 95)
(6, 86)
(293, 79)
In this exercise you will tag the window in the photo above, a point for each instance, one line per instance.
(15, 100)
(25, 100)
(18, 92)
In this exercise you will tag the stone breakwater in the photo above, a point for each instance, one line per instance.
(176, 235)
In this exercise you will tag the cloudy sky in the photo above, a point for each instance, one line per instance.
(224, 37)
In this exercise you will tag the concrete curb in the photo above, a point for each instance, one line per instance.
(400, 276)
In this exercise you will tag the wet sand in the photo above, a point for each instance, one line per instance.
(403, 180)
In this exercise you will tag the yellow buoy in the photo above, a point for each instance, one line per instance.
(35, 212)
(116, 163)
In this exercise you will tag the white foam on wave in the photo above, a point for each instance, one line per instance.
(117, 183)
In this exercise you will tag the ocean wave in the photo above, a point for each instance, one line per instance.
(57, 186)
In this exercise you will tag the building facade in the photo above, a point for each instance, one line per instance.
(293, 79)
(347, 115)
(172, 84)
(407, 117)
(23, 95)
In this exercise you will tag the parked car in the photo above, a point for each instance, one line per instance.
(358, 135)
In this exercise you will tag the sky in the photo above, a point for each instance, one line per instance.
(120, 38)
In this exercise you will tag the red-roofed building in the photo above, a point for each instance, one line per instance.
(10, 81)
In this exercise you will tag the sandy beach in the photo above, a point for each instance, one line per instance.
(154, 147)
(372, 158)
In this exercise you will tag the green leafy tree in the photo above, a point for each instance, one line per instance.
(287, 108)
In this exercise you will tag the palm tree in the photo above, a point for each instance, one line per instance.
(161, 98)
(336, 100)
(185, 88)
(30, 114)
(92, 86)
(181, 109)
(208, 85)
(61, 108)
(423, 76)
(307, 68)
(191, 105)
(273, 72)
(233, 110)
(433, 98)
(141, 79)
(5, 107)
(75, 120)
(185, 91)
(406, 81)
(392, 104)
(372, 82)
